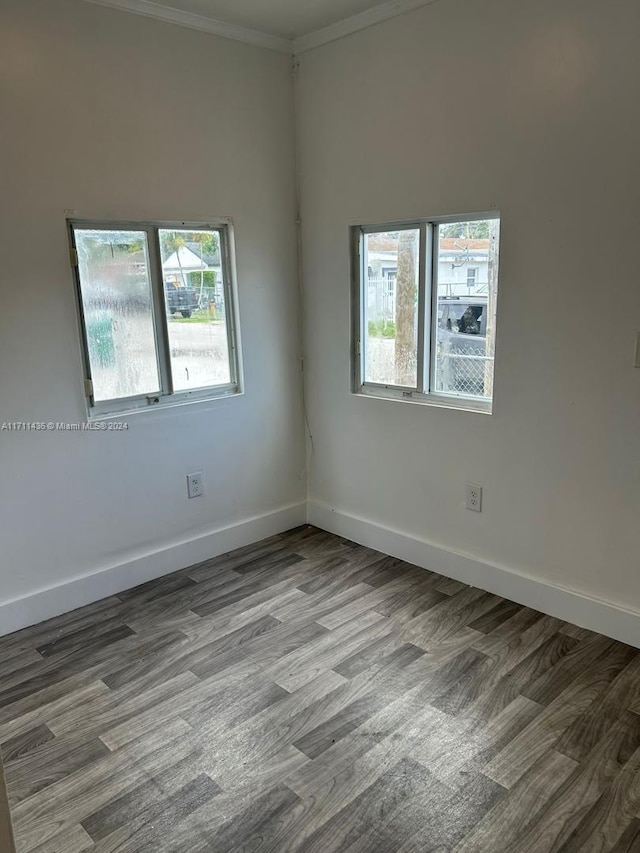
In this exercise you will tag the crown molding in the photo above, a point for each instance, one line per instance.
(348, 26)
(363, 20)
(150, 9)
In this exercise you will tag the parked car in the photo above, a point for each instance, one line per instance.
(462, 343)
(463, 319)
(180, 298)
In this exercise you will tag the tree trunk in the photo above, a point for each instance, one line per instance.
(494, 239)
(406, 292)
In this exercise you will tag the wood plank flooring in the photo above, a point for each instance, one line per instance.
(309, 694)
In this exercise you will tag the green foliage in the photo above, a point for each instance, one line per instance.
(205, 243)
(207, 278)
(470, 230)
(208, 242)
(382, 329)
(107, 246)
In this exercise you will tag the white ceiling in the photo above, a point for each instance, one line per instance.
(287, 25)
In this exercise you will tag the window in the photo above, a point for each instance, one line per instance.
(157, 309)
(425, 297)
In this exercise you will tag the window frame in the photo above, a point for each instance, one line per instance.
(166, 397)
(427, 316)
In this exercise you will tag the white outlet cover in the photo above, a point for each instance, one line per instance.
(473, 497)
(195, 485)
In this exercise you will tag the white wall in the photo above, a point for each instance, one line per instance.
(529, 108)
(117, 116)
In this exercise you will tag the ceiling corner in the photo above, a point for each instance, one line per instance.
(376, 15)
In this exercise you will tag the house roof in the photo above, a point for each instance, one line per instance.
(386, 243)
(381, 243)
(211, 258)
(461, 243)
(184, 260)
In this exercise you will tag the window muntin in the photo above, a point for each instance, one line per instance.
(454, 311)
(194, 293)
(157, 310)
(391, 327)
(117, 307)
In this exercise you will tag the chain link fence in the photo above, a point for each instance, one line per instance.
(463, 369)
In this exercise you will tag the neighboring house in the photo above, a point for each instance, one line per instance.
(462, 268)
(184, 261)
(382, 256)
(187, 268)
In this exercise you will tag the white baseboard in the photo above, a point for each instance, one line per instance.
(144, 566)
(572, 606)
(595, 614)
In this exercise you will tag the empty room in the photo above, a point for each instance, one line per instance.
(319, 421)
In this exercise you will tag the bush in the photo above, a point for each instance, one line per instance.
(208, 278)
(382, 329)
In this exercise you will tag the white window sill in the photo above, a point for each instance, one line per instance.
(110, 411)
(442, 401)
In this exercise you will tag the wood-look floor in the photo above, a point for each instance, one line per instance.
(309, 694)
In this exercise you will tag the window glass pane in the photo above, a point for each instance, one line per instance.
(467, 277)
(390, 301)
(196, 310)
(118, 314)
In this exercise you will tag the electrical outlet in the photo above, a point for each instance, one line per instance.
(473, 497)
(195, 485)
